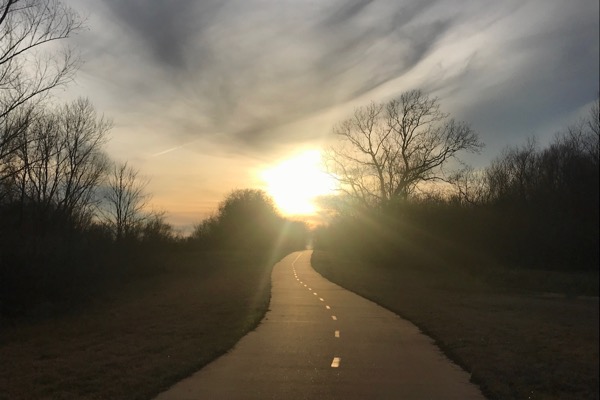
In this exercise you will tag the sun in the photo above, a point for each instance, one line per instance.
(297, 182)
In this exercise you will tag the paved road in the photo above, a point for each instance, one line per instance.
(320, 341)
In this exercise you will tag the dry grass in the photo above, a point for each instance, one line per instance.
(141, 339)
(517, 345)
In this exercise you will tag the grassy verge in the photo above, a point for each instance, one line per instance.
(517, 344)
(141, 338)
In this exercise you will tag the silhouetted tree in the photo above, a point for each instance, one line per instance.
(27, 71)
(59, 163)
(247, 219)
(594, 119)
(385, 150)
(204, 233)
(470, 186)
(124, 201)
(13, 129)
(512, 176)
(156, 231)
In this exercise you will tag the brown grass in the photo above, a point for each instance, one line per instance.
(140, 339)
(517, 344)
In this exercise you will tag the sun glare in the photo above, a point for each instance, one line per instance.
(296, 183)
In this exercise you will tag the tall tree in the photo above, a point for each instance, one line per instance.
(60, 161)
(30, 64)
(124, 201)
(386, 149)
(246, 220)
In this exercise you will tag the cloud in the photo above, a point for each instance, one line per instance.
(167, 28)
(243, 73)
(528, 71)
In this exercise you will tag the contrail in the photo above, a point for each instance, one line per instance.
(160, 153)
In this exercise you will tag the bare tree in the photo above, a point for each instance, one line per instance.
(156, 230)
(514, 174)
(124, 201)
(59, 162)
(13, 129)
(385, 150)
(593, 123)
(594, 118)
(84, 134)
(30, 64)
(470, 186)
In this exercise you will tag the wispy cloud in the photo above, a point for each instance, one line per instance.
(240, 72)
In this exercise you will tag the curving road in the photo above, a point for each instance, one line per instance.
(320, 341)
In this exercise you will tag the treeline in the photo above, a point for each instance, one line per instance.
(532, 207)
(73, 222)
(544, 201)
(67, 210)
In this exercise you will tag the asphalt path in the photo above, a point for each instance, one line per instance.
(320, 341)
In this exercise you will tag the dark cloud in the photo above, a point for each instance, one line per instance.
(166, 27)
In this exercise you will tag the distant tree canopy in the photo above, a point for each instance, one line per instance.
(248, 220)
(386, 149)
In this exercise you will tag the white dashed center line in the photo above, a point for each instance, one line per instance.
(335, 363)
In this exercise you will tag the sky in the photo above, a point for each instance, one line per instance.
(206, 95)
